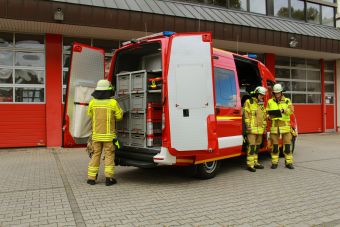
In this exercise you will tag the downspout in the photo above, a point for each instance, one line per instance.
(336, 98)
(323, 105)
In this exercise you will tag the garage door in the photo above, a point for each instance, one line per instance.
(22, 90)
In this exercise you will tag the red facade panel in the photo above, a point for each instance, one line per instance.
(53, 89)
(22, 125)
(270, 63)
(311, 122)
(330, 117)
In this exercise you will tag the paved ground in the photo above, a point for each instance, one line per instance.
(48, 187)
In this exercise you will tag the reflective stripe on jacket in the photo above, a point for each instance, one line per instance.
(104, 113)
(281, 123)
(255, 116)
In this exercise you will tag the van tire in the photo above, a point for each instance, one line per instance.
(208, 170)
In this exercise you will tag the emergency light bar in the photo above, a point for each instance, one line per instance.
(160, 34)
(254, 56)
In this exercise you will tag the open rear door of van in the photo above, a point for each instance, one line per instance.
(86, 68)
(190, 90)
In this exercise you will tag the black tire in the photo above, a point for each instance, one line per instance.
(208, 170)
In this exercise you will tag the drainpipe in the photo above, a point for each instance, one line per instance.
(323, 105)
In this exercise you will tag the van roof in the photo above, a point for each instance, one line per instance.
(232, 54)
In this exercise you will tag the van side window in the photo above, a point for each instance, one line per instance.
(225, 87)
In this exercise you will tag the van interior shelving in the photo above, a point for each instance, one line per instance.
(138, 79)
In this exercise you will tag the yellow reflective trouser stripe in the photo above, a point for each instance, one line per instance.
(105, 138)
(257, 130)
(283, 129)
(92, 171)
(109, 169)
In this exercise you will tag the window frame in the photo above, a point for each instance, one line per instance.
(328, 82)
(13, 49)
(290, 93)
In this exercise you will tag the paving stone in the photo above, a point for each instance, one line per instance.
(48, 187)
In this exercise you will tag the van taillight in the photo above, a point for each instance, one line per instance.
(206, 38)
(77, 49)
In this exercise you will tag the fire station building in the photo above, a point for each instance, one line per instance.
(296, 39)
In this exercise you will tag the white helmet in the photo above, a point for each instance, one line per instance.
(277, 88)
(260, 90)
(103, 85)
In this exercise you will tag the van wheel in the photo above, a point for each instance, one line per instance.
(208, 170)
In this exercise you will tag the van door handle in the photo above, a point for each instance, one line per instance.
(236, 112)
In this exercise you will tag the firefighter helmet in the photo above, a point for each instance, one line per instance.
(277, 88)
(103, 85)
(260, 90)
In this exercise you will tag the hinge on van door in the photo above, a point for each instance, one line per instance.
(215, 57)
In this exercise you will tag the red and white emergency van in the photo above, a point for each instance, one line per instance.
(181, 99)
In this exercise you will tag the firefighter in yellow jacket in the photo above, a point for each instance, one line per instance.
(103, 111)
(255, 119)
(281, 126)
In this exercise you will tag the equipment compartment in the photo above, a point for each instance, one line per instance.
(123, 83)
(138, 123)
(139, 83)
(138, 140)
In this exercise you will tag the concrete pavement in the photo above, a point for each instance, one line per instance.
(48, 187)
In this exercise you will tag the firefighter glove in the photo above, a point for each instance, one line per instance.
(116, 143)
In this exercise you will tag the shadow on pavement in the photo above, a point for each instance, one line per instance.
(178, 174)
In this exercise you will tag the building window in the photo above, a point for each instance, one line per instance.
(328, 15)
(297, 9)
(281, 8)
(329, 82)
(258, 6)
(22, 68)
(318, 13)
(290, 8)
(238, 4)
(109, 47)
(301, 79)
(313, 13)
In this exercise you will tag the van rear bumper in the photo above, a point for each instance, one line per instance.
(134, 156)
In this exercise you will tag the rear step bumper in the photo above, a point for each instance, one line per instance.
(139, 157)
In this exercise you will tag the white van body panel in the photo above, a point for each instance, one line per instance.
(190, 89)
(87, 67)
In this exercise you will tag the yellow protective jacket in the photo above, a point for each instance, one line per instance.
(104, 113)
(255, 116)
(281, 124)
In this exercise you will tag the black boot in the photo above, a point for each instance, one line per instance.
(274, 166)
(289, 166)
(251, 169)
(110, 181)
(91, 182)
(259, 166)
